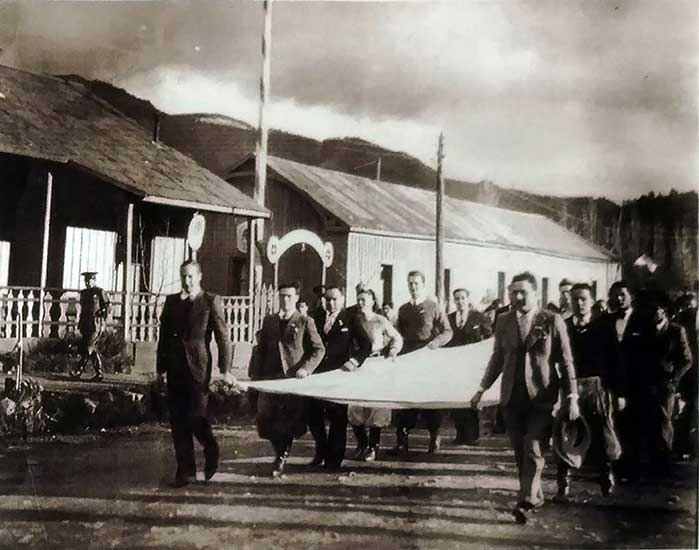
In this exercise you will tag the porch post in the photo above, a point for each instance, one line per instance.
(128, 275)
(251, 281)
(45, 251)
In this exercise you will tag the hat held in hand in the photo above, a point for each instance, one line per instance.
(571, 439)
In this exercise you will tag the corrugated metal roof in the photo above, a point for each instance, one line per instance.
(364, 204)
(50, 118)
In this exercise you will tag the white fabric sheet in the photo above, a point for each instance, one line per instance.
(445, 378)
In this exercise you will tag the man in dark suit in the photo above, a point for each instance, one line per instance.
(289, 346)
(532, 353)
(346, 347)
(659, 363)
(184, 361)
(468, 326)
(601, 385)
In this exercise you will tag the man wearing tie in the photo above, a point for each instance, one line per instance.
(346, 347)
(184, 361)
(532, 353)
(469, 326)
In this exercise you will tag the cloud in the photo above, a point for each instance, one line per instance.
(582, 96)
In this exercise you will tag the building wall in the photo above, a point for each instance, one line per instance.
(291, 210)
(473, 267)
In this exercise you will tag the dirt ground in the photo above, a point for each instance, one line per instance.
(110, 490)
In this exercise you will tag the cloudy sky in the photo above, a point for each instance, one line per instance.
(565, 97)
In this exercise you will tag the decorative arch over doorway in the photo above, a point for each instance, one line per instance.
(276, 247)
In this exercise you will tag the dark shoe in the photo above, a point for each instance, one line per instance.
(523, 510)
(333, 466)
(457, 442)
(562, 493)
(435, 444)
(211, 465)
(370, 454)
(278, 466)
(317, 460)
(399, 450)
(183, 481)
(98, 377)
(75, 373)
(359, 453)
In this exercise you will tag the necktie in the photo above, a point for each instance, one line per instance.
(329, 321)
(523, 322)
(462, 321)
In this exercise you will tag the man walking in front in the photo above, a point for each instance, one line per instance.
(289, 346)
(530, 343)
(469, 326)
(184, 362)
(346, 347)
(422, 323)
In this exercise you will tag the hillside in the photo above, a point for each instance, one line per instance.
(664, 227)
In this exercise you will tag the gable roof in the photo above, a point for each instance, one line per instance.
(366, 205)
(53, 119)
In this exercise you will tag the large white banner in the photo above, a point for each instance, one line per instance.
(444, 378)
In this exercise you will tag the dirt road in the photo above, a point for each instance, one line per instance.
(111, 491)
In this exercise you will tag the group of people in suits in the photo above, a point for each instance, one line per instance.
(620, 371)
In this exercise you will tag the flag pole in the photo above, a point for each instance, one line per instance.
(256, 227)
(439, 225)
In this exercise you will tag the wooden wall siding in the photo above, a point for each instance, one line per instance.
(219, 255)
(89, 250)
(167, 255)
(473, 267)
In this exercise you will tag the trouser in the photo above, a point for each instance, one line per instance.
(647, 421)
(188, 419)
(527, 426)
(330, 444)
(467, 424)
(406, 420)
(282, 446)
(596, 408)
(363, 441)
(89, 353)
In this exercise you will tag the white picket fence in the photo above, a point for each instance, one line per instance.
(61, 312)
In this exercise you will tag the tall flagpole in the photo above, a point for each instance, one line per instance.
(256, 228)
(439, 225)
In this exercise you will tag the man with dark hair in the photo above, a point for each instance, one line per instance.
(530, 343)
(601, 385)
(422, 323)
(184, 362)
(468, 326)
(346, 347)
(564, 301)
(289, 346)
(94, 308)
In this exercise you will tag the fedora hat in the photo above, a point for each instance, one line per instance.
(571, 439)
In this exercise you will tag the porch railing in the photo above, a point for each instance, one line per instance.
(61, 312)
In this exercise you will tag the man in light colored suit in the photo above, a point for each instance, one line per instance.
(533, 354)
(289, 346)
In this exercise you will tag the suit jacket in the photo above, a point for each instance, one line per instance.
(545, 347)
(665, 360)
(281, 354)
(476, 328)
(192, 344)
(346, 340)
(595, 353)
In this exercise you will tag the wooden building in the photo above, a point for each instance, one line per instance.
(380, 231)
(83, 187)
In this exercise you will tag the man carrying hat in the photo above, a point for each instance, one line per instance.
(532, 352)
(601, 385)
(94, 308)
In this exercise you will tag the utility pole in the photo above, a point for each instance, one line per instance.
(378, 169)
(439, 225)
(256, 229)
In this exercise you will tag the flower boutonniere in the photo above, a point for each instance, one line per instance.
(540, 329)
